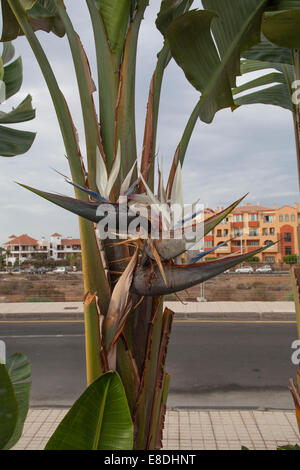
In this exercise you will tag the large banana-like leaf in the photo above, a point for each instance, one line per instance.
(148, 281)
(42, 15)
(265, 51)
(282, 26)
(13, 77)
(14, 399)
(169, 10)
(267, 56)
(211, 62)
(99, 420)
(8, 407)
(13, 141)
(19, 369)
(23, 112)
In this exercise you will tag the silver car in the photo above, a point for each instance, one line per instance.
(264, 269)
(245, 269)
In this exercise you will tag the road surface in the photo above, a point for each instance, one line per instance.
(212, 364)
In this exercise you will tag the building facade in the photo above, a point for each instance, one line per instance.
(25, 248)
(252, 226)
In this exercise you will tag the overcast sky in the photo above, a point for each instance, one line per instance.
(250, 150)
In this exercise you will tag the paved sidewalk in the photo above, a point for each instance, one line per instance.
(191, 430)
(64, 311)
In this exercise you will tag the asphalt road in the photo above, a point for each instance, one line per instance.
(217, 364)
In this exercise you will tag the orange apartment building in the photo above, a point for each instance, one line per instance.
(255, 226)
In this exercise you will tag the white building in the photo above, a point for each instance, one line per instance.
(60, 247)
(25, 248)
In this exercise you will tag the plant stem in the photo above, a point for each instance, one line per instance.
(108, 83)
(125, 112)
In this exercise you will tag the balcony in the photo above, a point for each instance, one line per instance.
(237, 224)
(253, 224)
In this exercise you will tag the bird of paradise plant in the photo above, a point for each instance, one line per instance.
(126, 329)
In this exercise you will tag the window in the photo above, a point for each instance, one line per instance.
(268, 219)
(238, 232)
(272, 231)
(253, 217)
(224, 221)
(236, 243)
(225, 232)
(208, 243)
(269, 259)
(286, 217)
(287, 237)
(281, 218)
(238, 218)
(253, 232)
(268, 242)
(293, 217)
(288, 250)
(265, 232)
(219, 233)
(253, 243)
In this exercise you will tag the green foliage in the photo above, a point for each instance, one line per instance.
(12, 141)
(253, 259)
(14, 399)
(100, 419)
(290, 259)
(287, 447)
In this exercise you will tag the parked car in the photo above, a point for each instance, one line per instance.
(62, 270)
(30, 271)
(264, 269)
(245, 270)
(16, 270)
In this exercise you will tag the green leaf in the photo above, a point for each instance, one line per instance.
(23, 112)
(276, 95)
(115, 15)
(8, 52)
(41, 14)
(211, 63)
(270, 78)
(18, 367)
(169, 10)
(282, 28)
(99, 420)
(14, 142)
(13, 77)
(289, 447)
(280, 94)
(268, 52)
(8, 407)
(27, 4)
